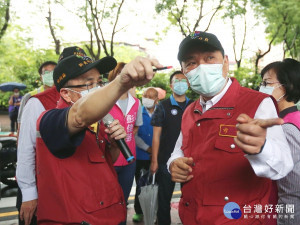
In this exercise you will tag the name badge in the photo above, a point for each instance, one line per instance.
(227, 130)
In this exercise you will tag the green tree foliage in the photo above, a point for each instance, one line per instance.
(282, 18)
(189, 14)
(247, 78)
(125, 53)
(20, 64)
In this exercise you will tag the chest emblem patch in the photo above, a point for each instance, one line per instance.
(174, 112)
(227, 130)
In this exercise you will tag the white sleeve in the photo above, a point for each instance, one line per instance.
(139, 116)
(26, 149)
(140, 143)
(177, 152)
(22, 105)
(275, 160)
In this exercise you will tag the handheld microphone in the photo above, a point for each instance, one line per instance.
(107, 120)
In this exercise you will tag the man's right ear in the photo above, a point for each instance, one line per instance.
(64, 93)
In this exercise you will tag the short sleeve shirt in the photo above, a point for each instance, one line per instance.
(168, 115)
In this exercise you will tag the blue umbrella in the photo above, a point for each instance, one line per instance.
(10, 86)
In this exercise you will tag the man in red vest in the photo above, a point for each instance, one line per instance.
(37, 103)
(223, 157)
(76, 179)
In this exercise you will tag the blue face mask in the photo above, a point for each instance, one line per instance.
(180, 87)
(48, 78)
(266, 89)
(207, 79)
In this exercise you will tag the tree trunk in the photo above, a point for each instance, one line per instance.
(7, 18)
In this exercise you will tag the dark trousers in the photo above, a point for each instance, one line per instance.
(13, 116)
(125, 178)
(18, 205)
(140, 164)
(165, 192)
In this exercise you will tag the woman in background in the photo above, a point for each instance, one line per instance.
(13, 109)
(282, 81)
(128, 111)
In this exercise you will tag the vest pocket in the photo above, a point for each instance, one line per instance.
(187, 210)
(101, 200)
(241, 191)
(96, 157)
(227, 144)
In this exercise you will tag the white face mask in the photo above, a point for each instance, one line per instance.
(148, 103)
(267, 89)
(85, 92)
(207, 79)
(279, 99)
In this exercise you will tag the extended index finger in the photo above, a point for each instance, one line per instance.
(269, 122)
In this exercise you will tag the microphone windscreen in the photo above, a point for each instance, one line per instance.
(107, 120)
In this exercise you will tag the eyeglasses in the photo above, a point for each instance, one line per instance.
(177, 80)
(88, 86)
(266, 83)
(47, 72)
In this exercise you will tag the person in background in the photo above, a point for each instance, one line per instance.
(166, 122)
(46, 75)
(223, 155)
(26, 170)
(143, 141)
(128, 111)
(75, 174)
(282, 81)
(13, 109)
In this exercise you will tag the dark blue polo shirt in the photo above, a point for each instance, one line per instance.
(55, 133)
(168, 115)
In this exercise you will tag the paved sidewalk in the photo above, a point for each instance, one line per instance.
(7, 205)
(130, 213)
(174, 213)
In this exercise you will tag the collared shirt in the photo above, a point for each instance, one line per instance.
(26, 149)
(207, 105)
(168, 116)
(138, 140)
(275, 159)
(126, 104)
(25, 98)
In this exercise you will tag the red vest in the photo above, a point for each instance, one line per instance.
(48, 98)
(128, 122)
(83, 187)
(221, 172)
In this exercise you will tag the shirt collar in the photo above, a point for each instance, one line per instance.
(130, 103)
(174, 102)
(145, 110)
(215, 99)
(288, 110)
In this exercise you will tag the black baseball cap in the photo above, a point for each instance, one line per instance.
(74, 66)
(198, 38)
(73, 50)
